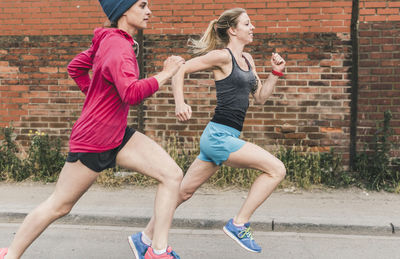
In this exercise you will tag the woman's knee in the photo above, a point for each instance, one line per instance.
(63, 210)
(276, 170)
(279, 170)
(58, 208)
(172, 175)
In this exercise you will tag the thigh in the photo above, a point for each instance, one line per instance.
(198, 173)
(74, 180)
(143, 155)
(253, 156)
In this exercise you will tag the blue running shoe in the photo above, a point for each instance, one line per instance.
(138, 247)
(243, 236)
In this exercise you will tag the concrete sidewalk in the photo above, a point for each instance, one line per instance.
(329, 211)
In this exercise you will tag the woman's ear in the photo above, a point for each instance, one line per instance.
(232, 31)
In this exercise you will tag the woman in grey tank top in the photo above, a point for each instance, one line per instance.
(235, 78)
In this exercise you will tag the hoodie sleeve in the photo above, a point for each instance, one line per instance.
(121, 68)
(79, 68)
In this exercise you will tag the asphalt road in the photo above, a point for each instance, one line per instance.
(85, 242)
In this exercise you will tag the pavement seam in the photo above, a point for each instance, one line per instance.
(185, 223)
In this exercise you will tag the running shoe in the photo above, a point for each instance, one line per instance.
(167, 255)
(242, 235)
(138, 247)
(3, 252)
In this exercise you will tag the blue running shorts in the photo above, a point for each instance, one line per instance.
(218, 141)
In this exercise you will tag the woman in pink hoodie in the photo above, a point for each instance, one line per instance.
(100, 138)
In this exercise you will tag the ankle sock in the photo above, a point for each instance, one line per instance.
(159, 252)
(146, 239)
(237, 225)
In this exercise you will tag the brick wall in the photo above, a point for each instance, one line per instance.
(310, 106)
(379, 69)
(71, 17)
(45, 17)
(379, 79)
(379, 11)
(36, 92)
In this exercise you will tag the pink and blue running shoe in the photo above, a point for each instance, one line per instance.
(3, 252)
(138, 247)
(243, 236)
(169, 254)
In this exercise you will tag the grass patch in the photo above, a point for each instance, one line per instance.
(305, 169)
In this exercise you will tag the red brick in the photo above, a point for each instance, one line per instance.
(388, 11)
(393, 18)
(375, 18)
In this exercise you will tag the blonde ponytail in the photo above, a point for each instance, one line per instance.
(217, 32)
(208, 42)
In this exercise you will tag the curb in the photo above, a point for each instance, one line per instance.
(185, 223)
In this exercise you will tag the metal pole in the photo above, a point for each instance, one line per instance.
(354, 83)
(140, 58)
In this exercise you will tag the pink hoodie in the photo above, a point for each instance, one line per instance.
(114, 86)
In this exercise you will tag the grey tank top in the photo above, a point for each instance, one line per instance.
(233, 95)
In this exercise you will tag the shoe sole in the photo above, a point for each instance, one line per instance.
(229, 234)
(133, 247)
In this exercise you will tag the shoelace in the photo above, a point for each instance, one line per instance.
(175, 255)
(246, 233)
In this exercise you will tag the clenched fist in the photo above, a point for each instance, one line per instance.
(172, 64)
(277, 62)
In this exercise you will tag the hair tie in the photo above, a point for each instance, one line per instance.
(215, 26)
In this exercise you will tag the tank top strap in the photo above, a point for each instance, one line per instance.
(233, 58)
(247, 62)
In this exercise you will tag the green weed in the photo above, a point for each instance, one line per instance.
(375, 168)
(11, 166)
(305, 168)
(45, 159)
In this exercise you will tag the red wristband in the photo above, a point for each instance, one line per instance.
(276, 73)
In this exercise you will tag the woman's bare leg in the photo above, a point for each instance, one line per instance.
(74, 180)
(198, 173)
(143, 155)
(249, 156)
(253, 156)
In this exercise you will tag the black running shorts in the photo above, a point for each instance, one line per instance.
(101, 161)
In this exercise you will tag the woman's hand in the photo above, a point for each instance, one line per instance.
(277, 62)
(172, 64)
(183, 112)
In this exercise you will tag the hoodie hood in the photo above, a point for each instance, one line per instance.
(101, 33)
